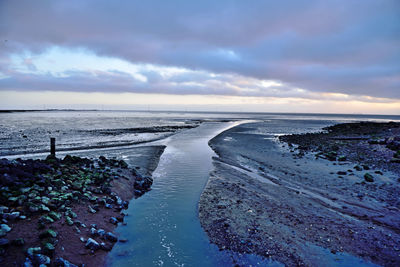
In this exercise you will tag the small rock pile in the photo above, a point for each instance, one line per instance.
(47, 189)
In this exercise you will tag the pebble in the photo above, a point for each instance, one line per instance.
(105, 247)
(28, 263)
(111, 237)
(39, 259)
(77, 229)
(92, 244)
(113, 220)
(93, 232)
(101, 232)
(64, 263)
(4, 242)
(91, 210)
(5, 228)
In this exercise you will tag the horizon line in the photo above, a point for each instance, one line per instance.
(194, 111)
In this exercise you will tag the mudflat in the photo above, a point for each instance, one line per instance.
(327, 198)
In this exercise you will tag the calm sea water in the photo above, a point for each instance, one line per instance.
(29, 132)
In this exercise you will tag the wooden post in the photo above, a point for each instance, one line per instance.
(52, 146)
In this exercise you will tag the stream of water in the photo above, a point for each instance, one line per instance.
(163, 228)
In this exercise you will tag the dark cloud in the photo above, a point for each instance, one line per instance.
(348, 46)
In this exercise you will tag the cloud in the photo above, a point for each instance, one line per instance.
(348, 47)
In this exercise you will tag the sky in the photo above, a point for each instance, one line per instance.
(324, 56)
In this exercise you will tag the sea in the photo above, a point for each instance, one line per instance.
(26, 133)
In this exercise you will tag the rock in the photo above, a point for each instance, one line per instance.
(113, 220)
(123, 164)
(69, 221)
(39, 259)
(55, 215)
(82, 239)
(2, 233)
(48, 249)
(92, 244)
(77, 229)
(358, 168)
(46, 219)
(105, 246)
(27, 263)
(91, 210)
(118, 200)
(341, 173)
(109, 200)
(46, 200)
(331, 155)
(70, 213)
(123, 240)
(365, 167)
(368, 177)
(11, 216)
(78, 223)
(32, 251)
(342, 158)
(93, 232)
(3, 209)
(379, 172)
(5, 228)
(120, 218)
(19, 242)
(48, 233)
(143, 183)
(60, 262)
(44, 208)
(111, 237)
(4, 242)
(33, 208)
(101, 232)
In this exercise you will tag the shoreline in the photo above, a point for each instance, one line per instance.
(90, 211)
(160, 132)
(264, 198)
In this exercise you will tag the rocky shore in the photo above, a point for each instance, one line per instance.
(369, 144)
(62, 212)
(324, 199)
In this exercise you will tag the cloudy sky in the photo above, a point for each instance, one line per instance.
(339, 56)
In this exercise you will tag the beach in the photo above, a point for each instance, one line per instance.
(67, 210)
(268, 197)
(215, 189)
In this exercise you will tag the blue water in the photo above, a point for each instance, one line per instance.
(163, 226)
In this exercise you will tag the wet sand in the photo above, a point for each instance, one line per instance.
(265, 198)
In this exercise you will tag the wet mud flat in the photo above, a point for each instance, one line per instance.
(15, 141)
(299, 207)
(370, 144)
(64, 211)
